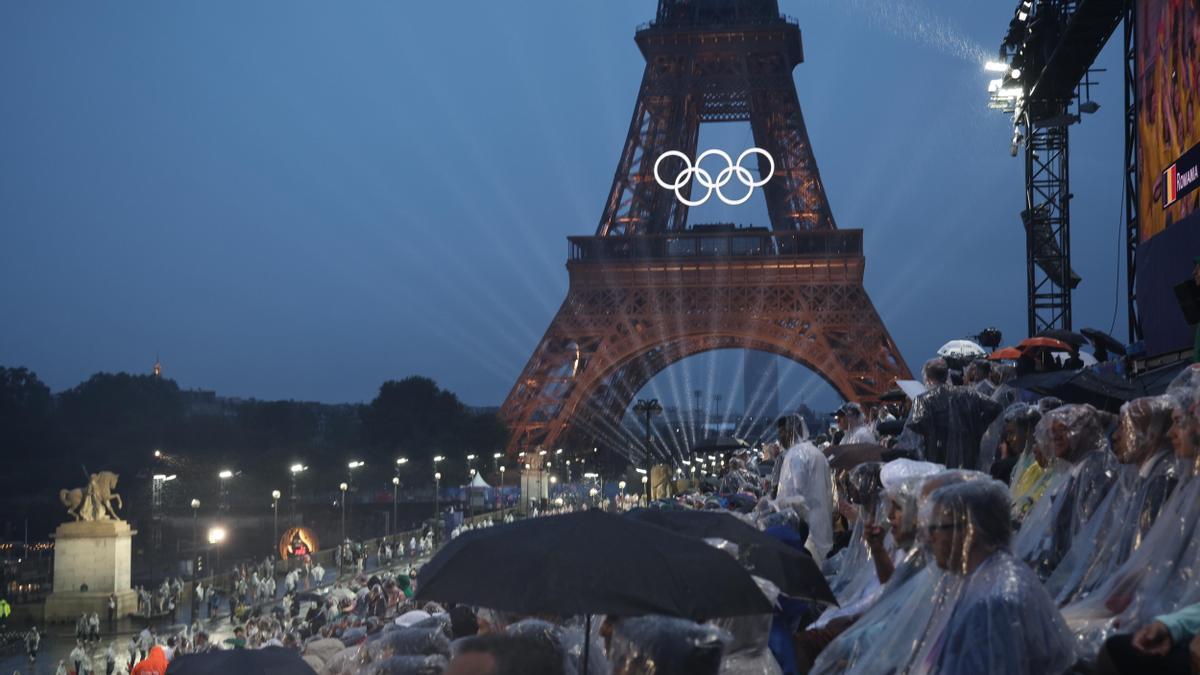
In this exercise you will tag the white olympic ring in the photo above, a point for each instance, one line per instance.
(706, 180)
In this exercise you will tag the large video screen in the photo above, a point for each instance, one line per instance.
(1168, 66)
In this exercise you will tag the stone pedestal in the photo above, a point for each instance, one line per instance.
(95, 556)
(535, 486)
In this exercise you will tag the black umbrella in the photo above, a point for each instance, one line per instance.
(896, 394)
(1072, 338)
(722, 444)
(1104, 341)
(846, 457)
(269, 661)
(795, 573)
(589, 562)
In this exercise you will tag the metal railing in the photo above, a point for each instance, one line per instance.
(734, 244)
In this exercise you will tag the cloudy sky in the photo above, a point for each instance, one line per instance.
(301, 199)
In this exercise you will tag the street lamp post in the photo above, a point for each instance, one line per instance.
(275, 507)
(400, 461)
(648, 407)
(216, 535)
(296, 470)
(224, 476)
(395, 486)
(195, 543)
(344, 487)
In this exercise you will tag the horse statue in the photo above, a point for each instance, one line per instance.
(93, 502)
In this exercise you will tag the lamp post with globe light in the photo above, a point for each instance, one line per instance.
(224, 475)
(195, 543)
(295, 470)
(275, 507)
(344, 487)
(400, 461)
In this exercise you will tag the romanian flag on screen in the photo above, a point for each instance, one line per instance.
(1171, 193)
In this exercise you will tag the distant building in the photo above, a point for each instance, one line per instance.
(760, 384)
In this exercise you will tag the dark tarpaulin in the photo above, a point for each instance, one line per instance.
(1102, 390)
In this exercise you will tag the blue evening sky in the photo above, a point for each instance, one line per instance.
(301, 199)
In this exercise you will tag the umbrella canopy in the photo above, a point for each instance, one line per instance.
(1106, 392)
(961, 349)
(896, 394)
(342, 594)
(269, 661)
(795, 573)
(1070, 337)
(845, 457)
(1029, 344)
(1006, 354)
(1102, 340)
(722, 444)
(479, 482)
(590, 562)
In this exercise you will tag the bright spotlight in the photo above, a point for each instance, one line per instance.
(225, 473)
(297, 468)
(216, 535)
(275, 494)
(1015, 74)
(402, 460)
(996, 67)
(498, 455)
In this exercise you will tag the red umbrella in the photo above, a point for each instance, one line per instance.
(1043, 343)
(1006, 354)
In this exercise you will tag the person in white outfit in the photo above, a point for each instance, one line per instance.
(805, 473)
(852, 420)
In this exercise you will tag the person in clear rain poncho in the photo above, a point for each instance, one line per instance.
(805, 473)
(855, 426)
(951, 419)
(1160, 575)
(1073, 438)
(659, 645)
(876, 643)
(1001, 619)
(1019, 420)
(1149, 475)
(890, 540)
(851, 570)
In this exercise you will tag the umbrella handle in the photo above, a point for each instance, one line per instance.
(587, 641)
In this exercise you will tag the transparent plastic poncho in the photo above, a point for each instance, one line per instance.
(877, 643)
(952, 420)
(855, 576)
(1150, 473)
(1000, 619)
(659, 645)
(747, 652)
(1160, 576)
(805, 473)
(1084, 470)
(901, 482)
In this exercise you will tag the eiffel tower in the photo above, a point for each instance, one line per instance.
(647, 291)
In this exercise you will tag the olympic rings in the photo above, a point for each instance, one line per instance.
(705, 179)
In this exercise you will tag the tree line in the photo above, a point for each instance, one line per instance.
(117, 421)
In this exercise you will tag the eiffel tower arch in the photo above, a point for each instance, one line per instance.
(647, 291)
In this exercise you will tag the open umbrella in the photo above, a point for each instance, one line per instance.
(1070, 337)
(269, 661)
(795, 573)
(846, 457)
(1104, 341)
(722, 444)
(961, 349)
(1006, 354)
(1030, 344)
(589, 562)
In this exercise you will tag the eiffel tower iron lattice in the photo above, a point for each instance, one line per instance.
(646, 291)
